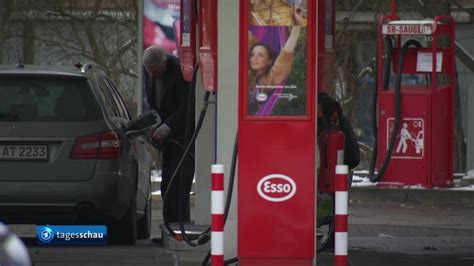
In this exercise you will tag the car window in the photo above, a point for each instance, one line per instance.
(118, 100)
(42, 99)
(109, 102)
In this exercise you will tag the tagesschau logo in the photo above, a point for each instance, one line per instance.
(71, 234)
(276, 187)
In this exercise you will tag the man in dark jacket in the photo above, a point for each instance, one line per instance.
(168, 93)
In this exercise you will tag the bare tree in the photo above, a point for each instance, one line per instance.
(5, 11)
(66, 32)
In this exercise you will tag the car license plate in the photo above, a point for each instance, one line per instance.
(23, 152)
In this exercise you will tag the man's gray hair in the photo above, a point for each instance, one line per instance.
(154, 56)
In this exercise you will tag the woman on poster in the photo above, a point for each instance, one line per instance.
(267, 73)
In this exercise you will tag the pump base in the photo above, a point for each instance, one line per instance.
(192, 232)
(275, 262)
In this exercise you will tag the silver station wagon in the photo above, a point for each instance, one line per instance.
(67, 152)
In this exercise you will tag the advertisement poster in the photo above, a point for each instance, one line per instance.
(277, 58)
(161, 24)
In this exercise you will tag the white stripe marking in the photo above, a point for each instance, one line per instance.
(217, 169)
(217, 243)
(342, 202)
(217, 202)
(342, 169)
(340, 248)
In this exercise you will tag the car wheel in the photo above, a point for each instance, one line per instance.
(124, 231)
(144, 224)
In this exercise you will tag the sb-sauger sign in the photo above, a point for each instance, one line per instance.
(276, 187)
(407, 29)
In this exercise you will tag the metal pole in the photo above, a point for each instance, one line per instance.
(342, 201)
(139, 89)
(217, 213)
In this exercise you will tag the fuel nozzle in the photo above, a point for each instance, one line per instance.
(156, 143)
(204, 238)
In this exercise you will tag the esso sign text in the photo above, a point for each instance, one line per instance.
(276, 187)
(268, 187)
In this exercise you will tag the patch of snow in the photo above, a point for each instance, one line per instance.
(359, 181)
(469, 175)
(361, 172)
(156, 176)
(415, 187)
(468, 188)
(357, 178)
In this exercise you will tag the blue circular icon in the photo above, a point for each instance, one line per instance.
(45, 235)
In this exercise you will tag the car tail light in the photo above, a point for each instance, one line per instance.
(98, 146)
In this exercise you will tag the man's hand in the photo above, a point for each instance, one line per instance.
(161, 132)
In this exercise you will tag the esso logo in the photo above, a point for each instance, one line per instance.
(276, 187)
(261, 97)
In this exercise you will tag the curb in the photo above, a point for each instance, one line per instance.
(411, 196)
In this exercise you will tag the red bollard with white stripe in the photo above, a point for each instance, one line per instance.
(342, 200)
(217, 211)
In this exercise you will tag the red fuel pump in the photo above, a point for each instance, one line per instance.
(186, 39)
(277, 137)
(208, 43)
(416, 114)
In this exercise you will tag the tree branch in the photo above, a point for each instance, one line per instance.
(470, 11)
(123, 49)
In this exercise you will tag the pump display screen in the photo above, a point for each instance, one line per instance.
(277, 58)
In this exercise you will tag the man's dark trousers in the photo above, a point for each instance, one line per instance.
(172, 153)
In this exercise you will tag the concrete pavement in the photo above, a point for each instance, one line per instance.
(400, 227)
(381, 232)
(412, 196)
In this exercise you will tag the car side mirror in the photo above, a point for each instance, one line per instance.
(144, 121)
